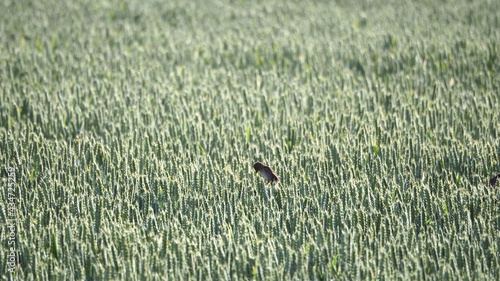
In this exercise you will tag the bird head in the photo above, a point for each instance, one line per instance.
(258, 166)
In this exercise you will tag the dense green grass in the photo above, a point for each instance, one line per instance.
(133, 127)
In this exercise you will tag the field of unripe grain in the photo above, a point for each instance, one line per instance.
(128, 131)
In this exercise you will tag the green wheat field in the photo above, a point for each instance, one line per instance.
(128, 131)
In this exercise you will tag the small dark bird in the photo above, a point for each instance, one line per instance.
(493, 180)
(266, 172)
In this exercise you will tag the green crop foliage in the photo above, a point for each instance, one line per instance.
(128, 130)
